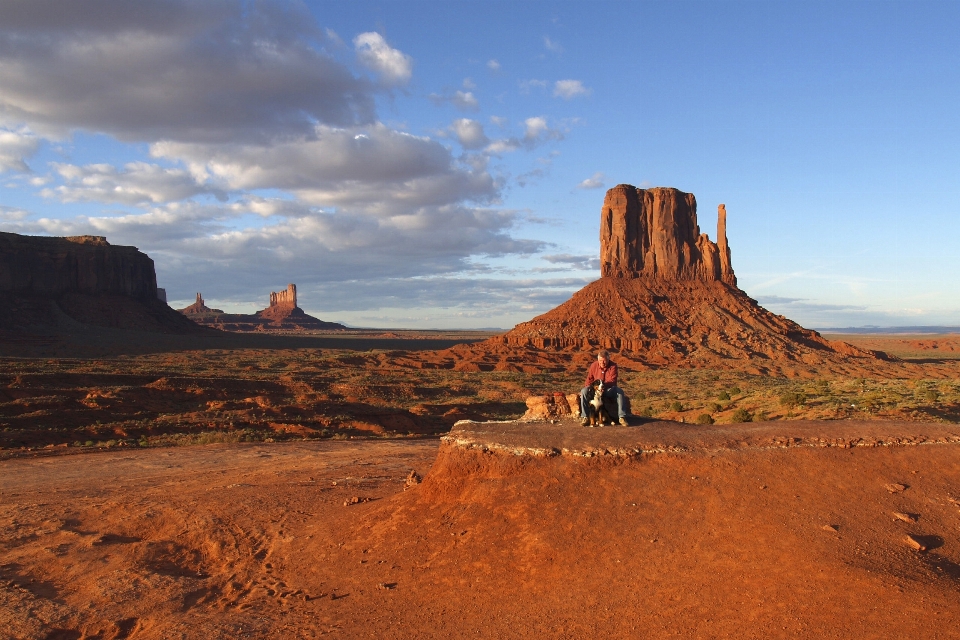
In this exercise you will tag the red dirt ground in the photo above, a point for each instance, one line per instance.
(518, 530)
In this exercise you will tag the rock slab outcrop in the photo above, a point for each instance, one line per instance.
(654, 232)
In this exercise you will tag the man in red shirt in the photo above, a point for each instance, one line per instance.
(602, 369)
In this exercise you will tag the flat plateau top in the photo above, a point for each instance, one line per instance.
(567, 437)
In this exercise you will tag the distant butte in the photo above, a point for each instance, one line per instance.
(667, 296)
(199, 308)
(282, 314)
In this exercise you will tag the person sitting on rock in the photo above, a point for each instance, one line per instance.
(606, 370)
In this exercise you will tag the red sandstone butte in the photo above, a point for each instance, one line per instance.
(668, 296)
(654, 232)
(282, 314)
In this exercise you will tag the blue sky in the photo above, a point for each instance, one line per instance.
(442, 164)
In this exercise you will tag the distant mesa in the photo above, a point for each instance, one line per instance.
(52, 284)
(667, 296)
(282, 314)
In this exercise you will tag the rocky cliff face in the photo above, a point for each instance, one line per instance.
(57, 285)
(52, 267)
(654, 232)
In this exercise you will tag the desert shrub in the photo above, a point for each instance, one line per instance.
(704, 418)
(88, 443)
(823, 386)
(792, 399)
(676, 406)
(734, 390)
(931, 395)
(723, 395)
(760, 416)
(715, 407)
(741, 415)
(647, 412)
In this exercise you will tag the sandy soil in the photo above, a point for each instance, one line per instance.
(785, 529)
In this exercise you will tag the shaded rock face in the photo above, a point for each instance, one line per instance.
(654, 232)
(52, 267)
(66, 284)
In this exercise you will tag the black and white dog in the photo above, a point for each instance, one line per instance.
(597, 413)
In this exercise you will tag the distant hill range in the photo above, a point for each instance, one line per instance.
(282, 314)
(891, 330)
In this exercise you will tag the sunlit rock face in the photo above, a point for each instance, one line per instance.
(654, 233)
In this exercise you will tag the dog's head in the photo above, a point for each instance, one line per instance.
(597, 385)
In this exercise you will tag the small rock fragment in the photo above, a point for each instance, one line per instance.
(412, 480)
(905, 517)
(895, 487)
(354, 500)
(833, 528)
(386, 586)
(915, 543)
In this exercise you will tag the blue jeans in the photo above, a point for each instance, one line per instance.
(586, 394)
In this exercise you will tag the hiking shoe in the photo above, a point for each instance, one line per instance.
(623, 422)
(585, 422)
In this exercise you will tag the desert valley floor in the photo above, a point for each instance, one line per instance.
(273, 490)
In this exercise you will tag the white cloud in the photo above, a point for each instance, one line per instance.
(499, 121)
(375, 168)
(181, 71)
(139, 182)
(392, 65)
(15, 147)
(535, 127)
(506, 145)
(462, 100)
(9, 214)
(334, 39)
(551, 45)
(469, 133)
(568, 89)
(528, 85)
(493, 65)
(201, 245)
(465, 100)
(593, 182)
(536, 131)
(469, 84)
(578, 262)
